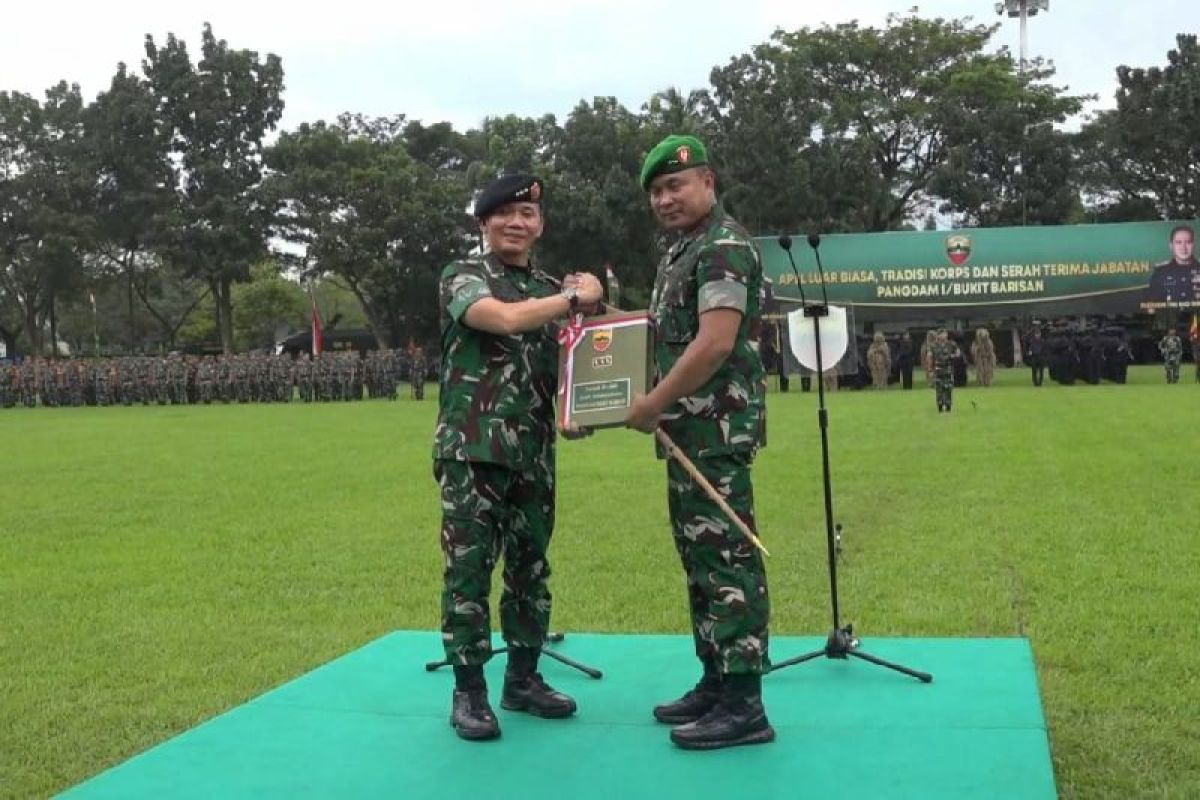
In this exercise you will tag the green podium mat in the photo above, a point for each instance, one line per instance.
(374, 723)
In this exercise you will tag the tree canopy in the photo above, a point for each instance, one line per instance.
(171, 196)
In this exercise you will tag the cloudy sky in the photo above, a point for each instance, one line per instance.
(462, 60)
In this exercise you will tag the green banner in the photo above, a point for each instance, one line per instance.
(981, 266)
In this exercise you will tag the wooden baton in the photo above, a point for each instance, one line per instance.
(674, 452)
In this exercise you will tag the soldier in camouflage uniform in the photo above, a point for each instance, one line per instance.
(494, 454)
(1171, 348)
(941, 364)
(416, 372)
(1195, 339)
(708, 397)
(7, 396)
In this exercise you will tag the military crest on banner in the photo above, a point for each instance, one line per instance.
(958, 249)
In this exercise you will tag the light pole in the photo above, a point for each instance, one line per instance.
(1022, 9)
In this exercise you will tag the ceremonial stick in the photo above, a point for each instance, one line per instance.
(674, 452)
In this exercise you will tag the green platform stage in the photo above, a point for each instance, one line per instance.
(374, 723)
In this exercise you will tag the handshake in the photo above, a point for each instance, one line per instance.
(588, 288)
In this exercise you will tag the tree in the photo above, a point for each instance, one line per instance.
(761, 115)
(45, 225)
(1144, 155)
(265, 304)
(596, 212)
(1007, 163)
(130, 145)
(219, 110)
(360, 208)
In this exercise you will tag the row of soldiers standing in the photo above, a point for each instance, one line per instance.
(1090, 355)
(880, 358)
(183, 380)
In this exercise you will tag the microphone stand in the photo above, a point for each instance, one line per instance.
(842, 642)
(591, 672)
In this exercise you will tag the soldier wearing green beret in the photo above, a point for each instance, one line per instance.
(708, 397)
(494, 453)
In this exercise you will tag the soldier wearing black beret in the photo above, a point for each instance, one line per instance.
(493, 453)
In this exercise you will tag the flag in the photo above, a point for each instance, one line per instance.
(1194, 330)
(318, 338)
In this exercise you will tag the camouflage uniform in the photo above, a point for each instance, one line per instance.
(416, 374)
(1171, 348)
(7, 396)
(720, 428)
(494, 459)
(28, 374)
(941, 359)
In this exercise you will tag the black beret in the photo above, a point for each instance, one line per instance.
(508, 189)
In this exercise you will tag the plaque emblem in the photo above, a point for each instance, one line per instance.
(958, 249)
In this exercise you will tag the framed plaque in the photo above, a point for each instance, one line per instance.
(603, 362)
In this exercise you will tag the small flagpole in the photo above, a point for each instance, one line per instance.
(316, 334)
(95, 324)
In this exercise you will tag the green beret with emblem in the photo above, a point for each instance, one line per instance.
(518, 188)
(673, 154)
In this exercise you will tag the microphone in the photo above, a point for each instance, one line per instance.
(785, 242)
(814, 241)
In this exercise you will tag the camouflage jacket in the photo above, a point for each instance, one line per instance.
(942, 354)
(1171, 348)
(716, 266)
(496, 400)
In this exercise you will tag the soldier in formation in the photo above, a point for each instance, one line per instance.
(879, 361)
(926, 348)
(416, 372)
(181, 380)
(983, 353)
(1171, 348)
(940, 363)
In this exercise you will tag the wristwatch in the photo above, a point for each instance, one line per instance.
(572, 295)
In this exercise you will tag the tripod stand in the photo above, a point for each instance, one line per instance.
(842, 642)
(591, 672)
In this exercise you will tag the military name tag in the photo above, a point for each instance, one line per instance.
(603, 362)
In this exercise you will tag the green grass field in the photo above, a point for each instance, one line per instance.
(160, 565)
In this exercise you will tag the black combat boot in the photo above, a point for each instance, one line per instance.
(738, 718)
(695, 702)
(524, 689)
(471, 715)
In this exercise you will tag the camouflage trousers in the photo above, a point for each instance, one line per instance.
(489, 511)
(943, 386)
(726, 577)
(1171, 365)
(418, 389)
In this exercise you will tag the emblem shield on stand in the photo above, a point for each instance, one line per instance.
(835, 338)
